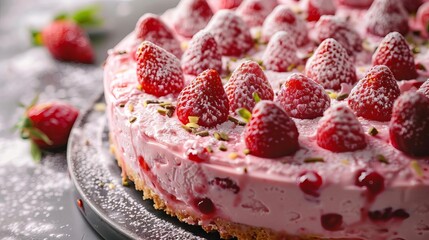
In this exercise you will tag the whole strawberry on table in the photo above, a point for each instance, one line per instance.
(47, 125)
(65, 37)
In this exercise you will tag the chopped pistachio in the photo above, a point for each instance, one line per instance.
(184, 45)
(332, 95)
(245, 114)
(416, 50)
(165, 104)
(233, 155)
(202, 133)
(125, 182)
(193, 119)
(131, 107)
(216, 135)
(236, 121)
(345, 162)
(193, 125)
(221, 136)
(343, 96)
(122, 105)
(300, 68)
(111, 186)
(209, 149)
(162, 111)
(233, 59)
(121, 52)
(246, 151)
(132, 119)
(170, 112)
(372, 131)
(415, 165)
(223, 148)
(139, 87)
(291, 67)
(256, 97)
(314, 160)
(188, 129)
(382, 159)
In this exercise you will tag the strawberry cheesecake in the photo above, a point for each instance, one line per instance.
(278, 119)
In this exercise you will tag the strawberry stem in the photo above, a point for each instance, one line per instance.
(36, 153)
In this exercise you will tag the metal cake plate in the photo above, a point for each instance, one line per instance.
(113, 210)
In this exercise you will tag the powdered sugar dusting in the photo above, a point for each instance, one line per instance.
(424, 88)
(254, 12)
(385, 16)
(190, 16)
(331, 66)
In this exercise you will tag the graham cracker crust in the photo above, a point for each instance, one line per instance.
(226, 229)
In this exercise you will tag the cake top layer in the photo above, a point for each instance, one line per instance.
(330, 70)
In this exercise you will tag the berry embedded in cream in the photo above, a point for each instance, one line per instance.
(285, 125)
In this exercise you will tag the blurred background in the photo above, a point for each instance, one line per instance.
(36, 199)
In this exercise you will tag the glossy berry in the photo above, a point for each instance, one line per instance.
(409, 126)
(395, 53)
(191, 16)
(372, 181)
(281, 53)
(48, 125)
(283, 19)
(374, 95)
(356, 3)
(332, 221)
(424, 88)
(303, 98)
(158, 71)
(201, 55)
(331, 66)
(254, 12)
(310, 183)
(340, 131)
(338, 29)
(151, 28)
(385, 16)
(318, 8)
(66, 41)
(205, 206)
(247, 79)
(271, 133)
(231, 33)
(204, 98)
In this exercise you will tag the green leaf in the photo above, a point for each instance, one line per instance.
(36, 153)
(36, 37)
(61, 16)
(87, 16)
(34, 101)
(256, 97)
(245, 114)
(36, 133)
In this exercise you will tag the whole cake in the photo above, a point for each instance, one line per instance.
(266, 119)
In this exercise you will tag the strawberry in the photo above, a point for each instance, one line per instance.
(191, 16)
(340, 131)
(204, 98)
(374, 95)
(281, 53)
(395, 53)
(246, 80)
(271, 133)
(409, 126)
(424, 88)
(202, 54)
(331, 66)
(66, 41)
(48, 125)
(318, 8)
(231, 33)
(412, 5)
(336, 28)
(356, 3)
(422, 19)
(151, 28)
(254, 12)
(283, 19)
(227, 4)
(158, 71)
(303, 98)
(385, 16)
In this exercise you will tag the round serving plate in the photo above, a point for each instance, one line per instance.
(113, 210)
